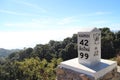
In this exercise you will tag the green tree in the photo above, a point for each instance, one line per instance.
(69, 52)
(35, 69)
(74, 38)
(107, 47)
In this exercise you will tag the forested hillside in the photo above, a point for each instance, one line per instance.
(40, 62)
(6, 52)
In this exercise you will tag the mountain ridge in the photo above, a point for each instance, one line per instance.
(6, 52)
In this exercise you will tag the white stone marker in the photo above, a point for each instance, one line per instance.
(89, 47)
(89, 56)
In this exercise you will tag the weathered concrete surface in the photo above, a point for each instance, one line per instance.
(72, 70)
(66, 74)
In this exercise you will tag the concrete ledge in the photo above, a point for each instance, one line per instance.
(97, 71)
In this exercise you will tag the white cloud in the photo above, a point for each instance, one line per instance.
(34, 6)
(8, 12)
(22, 39)
(66, 20)
(99, 22)
(102, 13)
(33, 24)
(42, 23)
(17, 13)
(23, 25)
(98, 13)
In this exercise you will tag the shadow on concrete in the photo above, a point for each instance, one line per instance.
(99, 66)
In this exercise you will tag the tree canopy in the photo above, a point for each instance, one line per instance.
(40, 62)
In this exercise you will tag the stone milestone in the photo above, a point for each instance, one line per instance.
(89, 47)
(88, 65)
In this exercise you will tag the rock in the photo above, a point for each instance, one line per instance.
(108, 76)
(60, 71)
(83, 77)
(67, 74)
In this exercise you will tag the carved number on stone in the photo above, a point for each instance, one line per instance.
(84, 55)
(84, 42)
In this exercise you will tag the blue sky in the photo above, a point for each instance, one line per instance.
(25, 23)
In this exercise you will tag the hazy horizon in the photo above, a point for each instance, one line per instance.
(30, 22)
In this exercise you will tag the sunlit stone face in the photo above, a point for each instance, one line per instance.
(89, 47)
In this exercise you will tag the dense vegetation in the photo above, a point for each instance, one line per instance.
(40, 62)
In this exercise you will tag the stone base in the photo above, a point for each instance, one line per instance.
(72, 70)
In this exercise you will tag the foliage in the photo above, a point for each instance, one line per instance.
(29, 69)
(40, 62)
(107, 47)
(35, 69)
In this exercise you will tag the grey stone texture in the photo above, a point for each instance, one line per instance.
(67, 74)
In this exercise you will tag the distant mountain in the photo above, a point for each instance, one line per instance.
(6, 52)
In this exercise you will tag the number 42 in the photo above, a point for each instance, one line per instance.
(84, 42)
